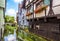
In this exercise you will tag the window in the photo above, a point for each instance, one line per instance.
(47, 2)
(37, 27)
(23, 17)
(31, 9)
(39, 4)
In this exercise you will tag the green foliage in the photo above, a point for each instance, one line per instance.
(9, 29)
(10, 25)
(30, 36)
(9, 19)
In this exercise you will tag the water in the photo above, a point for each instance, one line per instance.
(10, 37)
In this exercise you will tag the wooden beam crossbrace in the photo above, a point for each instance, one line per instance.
(51, 10)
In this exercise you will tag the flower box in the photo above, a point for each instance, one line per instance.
(40, 8)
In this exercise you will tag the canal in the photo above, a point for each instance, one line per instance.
(10, 37)
(23, 36)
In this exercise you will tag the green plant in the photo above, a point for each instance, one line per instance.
(27, 36)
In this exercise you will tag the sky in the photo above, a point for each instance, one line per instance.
(12, 7)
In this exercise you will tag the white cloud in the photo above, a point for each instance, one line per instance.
(11, 12)
(18, 1)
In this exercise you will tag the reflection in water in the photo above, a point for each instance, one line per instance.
(10, 37)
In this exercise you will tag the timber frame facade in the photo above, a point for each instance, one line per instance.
(43, 19)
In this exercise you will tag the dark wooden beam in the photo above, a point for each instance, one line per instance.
(51, 10)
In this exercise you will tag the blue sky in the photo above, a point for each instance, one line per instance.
(12, 7)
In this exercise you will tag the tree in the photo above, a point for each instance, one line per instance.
(9, 19)
(10, 25)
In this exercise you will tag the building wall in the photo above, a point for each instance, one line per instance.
(49, 29)
(1, 17)
(2, 12)
(25, 21)
(1, 22)
(56, 10)
(22, 16)
(2, 3)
